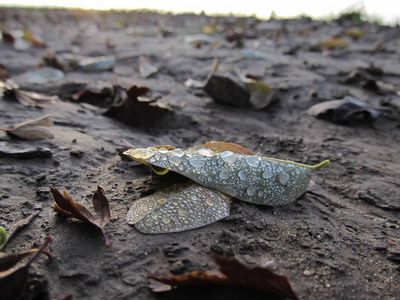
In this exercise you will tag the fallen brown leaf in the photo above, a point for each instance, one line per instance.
(14, 281)
(32, 129)
(235, 274)
(64, 204)
(132, 111)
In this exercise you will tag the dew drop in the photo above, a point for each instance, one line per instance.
(210, 201)
(298, 171)
(197, 161)
(251, 191)
(267, 175)
(163, 150)
(206, 152)
(182, 212)
(283, 178)
(228, 157)
(252, 161)
(166, 219)
(177, 152)
(224, 175)
(242, 175)
(260, 194)
(176, 160)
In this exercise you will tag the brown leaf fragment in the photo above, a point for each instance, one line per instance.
(234, 274)
(130, 110)
(26, 98)
(33, 129)
(14, 282)
(3, 73)
(64, 204)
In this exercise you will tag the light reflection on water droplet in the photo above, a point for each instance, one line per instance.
(283, 178)
(242, 175)
(251, 191)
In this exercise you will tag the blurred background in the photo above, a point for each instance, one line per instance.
(383, 11)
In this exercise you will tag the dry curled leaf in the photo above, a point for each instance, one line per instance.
(32, 129)
(64, 204)
(14, 281)
(235, 274)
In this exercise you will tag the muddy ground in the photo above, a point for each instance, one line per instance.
(338, 241)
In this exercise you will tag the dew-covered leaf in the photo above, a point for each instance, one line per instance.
(96, 64)
(64, 204)
(44, 75)
(179, 208)
(250, 178)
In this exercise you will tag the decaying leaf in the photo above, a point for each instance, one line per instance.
(14, 281)
(33, 129)
(334, 43)
(26, 98)
(64, 204)
(146, 69)
(345, 110)
(128, 106)
(235, 89)
(132, 111)
(235, 274)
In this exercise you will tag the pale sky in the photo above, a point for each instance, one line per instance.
(389, 10)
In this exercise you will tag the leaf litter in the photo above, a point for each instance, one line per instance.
(64, 204)
(36, 129)
(232, 273)
(15, 281)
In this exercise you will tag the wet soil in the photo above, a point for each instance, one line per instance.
(337, 241)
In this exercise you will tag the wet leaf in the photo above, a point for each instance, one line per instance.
(33, 129)
(64, 204)
(146, 69)
(179, 208)
(235, 89)
(33, 39)
(14, 281)
(3, 236)
(135, 112)
(44, 75)
(355, 33)
(234, 274)
(334, 43)
(94, 64)
(347, 110)
(38, 152)
(255, 179)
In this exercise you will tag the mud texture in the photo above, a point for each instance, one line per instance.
(338, 241)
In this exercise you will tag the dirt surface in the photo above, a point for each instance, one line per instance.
(338, 241)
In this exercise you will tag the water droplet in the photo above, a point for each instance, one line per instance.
(166, 219)
(163, 150)
(154, 215)
(181, 168)
(298, 171)
(283, 178)
(176, 160)
(252, 161)
(197, 161)
(260, 193)
(251, 191)
(142, 153)
(242, 175)
(210, 201)
(182, 212)
(224, 175)
(228, 190)
(267, 175)
(206, 152)
(177, 152)
(228, 157)
(195, 198)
